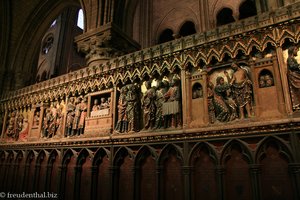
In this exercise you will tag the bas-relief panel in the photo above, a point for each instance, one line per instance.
(231, 93)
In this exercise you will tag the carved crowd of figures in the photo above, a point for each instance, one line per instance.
(159, 106)
(52, 120)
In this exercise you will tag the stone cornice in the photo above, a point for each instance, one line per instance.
(231, 130)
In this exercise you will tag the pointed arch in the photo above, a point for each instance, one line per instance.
(82, 155)
(274, 156)
(171, 162)
(146, 149)
(166, 150)
(145, 177)
(189, 60)
(236, 158)
(203, 161)
(123, 177)
(208, 147)
(238, 145)
(283, 149)
(101, 164)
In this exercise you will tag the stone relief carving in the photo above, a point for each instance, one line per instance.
(230, 97)
(294, 76)
(76, 110)
(241, 87)
(160, 104)
(15, 125)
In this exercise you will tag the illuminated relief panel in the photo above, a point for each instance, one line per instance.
(99, 120)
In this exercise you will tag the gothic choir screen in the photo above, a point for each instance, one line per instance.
(168, 104)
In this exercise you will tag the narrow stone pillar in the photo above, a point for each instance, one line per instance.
(285, 85)
(94, 181)
(294, 169)
(186, 171)
(185, 96)
(254, 175)
(220, 170)
(205, 97)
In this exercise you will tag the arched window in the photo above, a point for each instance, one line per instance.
(247, 9)
(80, 21)
(224, 16)
(166, 36)
(188, 28)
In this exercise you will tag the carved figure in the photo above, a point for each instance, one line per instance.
(122, 123)
(241, 86)
(36, 118)
(132, 109)
(83, 114)
(294, 76)
(53, 120)
(148, 106)
(269, 80)
(210, 102)
(171, 107)
(197, 92)
(70, 116)
(96, 105)
(225, 107)
(60, 116)
(15, 125)
(77, 114)
(104, 104)
(262, 82)
(48, 119)
(25, 129)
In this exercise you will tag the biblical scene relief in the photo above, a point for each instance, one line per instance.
(99, 116)
(154, 104)
(17, 126)
(53, 117)
(100, 105)
(230, 94)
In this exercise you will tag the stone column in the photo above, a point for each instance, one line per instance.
(254, 175)
(94, 181)
(77, 171)
(205, 96)
(185, 97)
(103, 39)
(294, 169)
(159, 180)
(186, 170)
(220, 173)
(113, 182)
